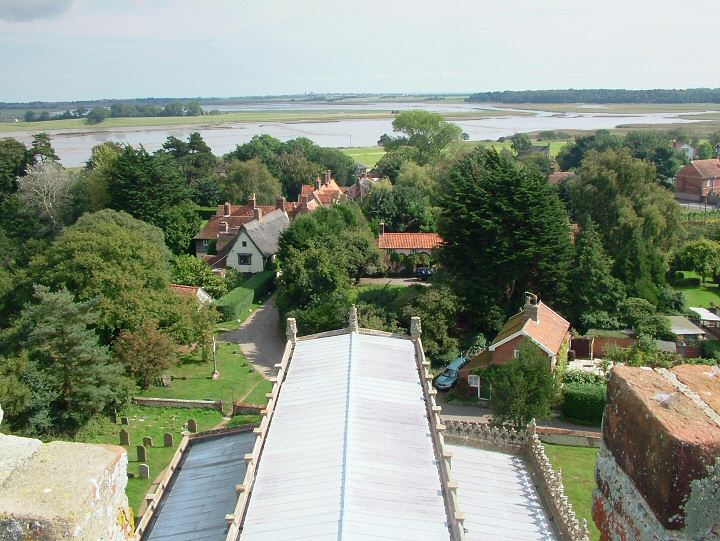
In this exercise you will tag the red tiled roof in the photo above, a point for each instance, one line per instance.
(707, 168)
(212, 227)
(307, 189)
(409, 241)
(190, 291)
(549, 329)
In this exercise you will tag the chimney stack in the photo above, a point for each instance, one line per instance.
(328, 176)
(226, 209)
(280, 203)
(318, 183)
(303, 200)
(382, 228)
(223, 227)
(531, 307)
(252, 201)
(257, 214)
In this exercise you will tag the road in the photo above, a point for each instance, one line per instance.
(260, 339)
(393, 281)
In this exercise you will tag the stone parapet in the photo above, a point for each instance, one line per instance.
(658, 463)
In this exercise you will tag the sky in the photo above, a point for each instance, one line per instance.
(90, 49)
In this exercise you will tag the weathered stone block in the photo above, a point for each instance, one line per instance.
(124, 437)
(141, 453)
(144, 471)
(192, 425)
(147, 441)
(660, 439)
(168, 439)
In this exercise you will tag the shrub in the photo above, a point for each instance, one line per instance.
(260, 283)
(584, 402)
(233, 304)
(692, 282)
(678, 277)
(582, 376)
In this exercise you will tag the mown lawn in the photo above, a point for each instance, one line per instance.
(366, 155)
(703, 295)
(578, 469)
(153, 422)
(192, 378)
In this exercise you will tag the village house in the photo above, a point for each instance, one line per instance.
(195, 292)
(689, 152)
(361, 188)
(254, 245)
(407, 244)
(698, 181)
(537, 322)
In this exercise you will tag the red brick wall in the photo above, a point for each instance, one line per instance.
(689, 184)
(506, 352)
(602, 343)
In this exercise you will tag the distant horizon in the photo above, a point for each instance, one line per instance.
(428, 95)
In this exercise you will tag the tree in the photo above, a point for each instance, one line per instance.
(95, 177)
(642, 317)
(524, 388)
(416, 176)
(293, 170)
(638, 220)
(57, 334)
(113, 257)
(46, 190)
(505, 232)
(426, 133)
(41, 149)
(97, 115)
(146, 352)
(180, 223)
(596, 294)
(700, 255)
(390, 164)
(190, 271)
(13, 160)
(250, 177)
(400, 208)
(572, 154)
(520, 143)
(705, 150)
(438, 308)
(194, 157)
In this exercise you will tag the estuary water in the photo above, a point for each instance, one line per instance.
(74, 146)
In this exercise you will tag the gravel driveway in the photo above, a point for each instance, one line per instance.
(260, 339)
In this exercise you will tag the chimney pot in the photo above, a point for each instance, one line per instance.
(318, 183)
(280, 203)
(257, 214)
(328, 176)
(252, 201)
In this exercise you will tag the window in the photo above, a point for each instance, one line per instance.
(244, 259)
(473, 381)
(244, 243)
(516, 353)
(205, 242)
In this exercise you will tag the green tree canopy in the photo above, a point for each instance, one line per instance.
(700, 255)
(572, 154)
(13, 160)
(426, 133)
(81, 376)
(146, 352)
(41, 149)
(505, 232)
(250, 177)
(188, 270)
(97, 115)
(524, 388)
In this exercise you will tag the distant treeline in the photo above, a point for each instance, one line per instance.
(118, 110)
(600, 95)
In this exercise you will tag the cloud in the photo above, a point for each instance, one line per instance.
(30, 10)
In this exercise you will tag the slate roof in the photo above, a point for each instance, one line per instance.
(706, 168)
(266, 232)
(683, 326)
(409, 241)
(549, 329)
(202, 491)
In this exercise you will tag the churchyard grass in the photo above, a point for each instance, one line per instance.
(152, 422)
(578, 469)
(703, 295)
(192, 378)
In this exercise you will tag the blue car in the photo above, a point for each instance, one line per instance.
(448, 379)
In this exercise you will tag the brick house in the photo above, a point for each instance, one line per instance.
(698, 181)
(537, 322)
(407, 244)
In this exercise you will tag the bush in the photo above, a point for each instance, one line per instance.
(260, 283)
(582, 376)
(235, 303)
(710, 349)
(678, 277)
(584, 402)
(692, 282)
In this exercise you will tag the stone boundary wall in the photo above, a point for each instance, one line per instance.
(564, 436)
(247, 408)
(179, 403)
(528, 444)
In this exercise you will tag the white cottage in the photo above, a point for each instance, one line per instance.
(255, 243)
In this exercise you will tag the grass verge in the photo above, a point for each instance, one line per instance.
(578, 468)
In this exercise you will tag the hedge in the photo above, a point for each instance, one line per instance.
(584, 402)
(582, 376)
(261, 283)
(235, 302)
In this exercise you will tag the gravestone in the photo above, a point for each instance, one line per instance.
(144, 471)
(141, 453)
(125, 420)
(168, 439)
(192, 425)
(147, 441)
(124, 437)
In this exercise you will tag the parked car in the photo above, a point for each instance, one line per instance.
(423, 273)
(449, 378)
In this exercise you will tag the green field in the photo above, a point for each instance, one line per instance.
(578, 469)
(365, 155)
(703, 295)
(614, 108)
(238, 379)
(153, 422)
